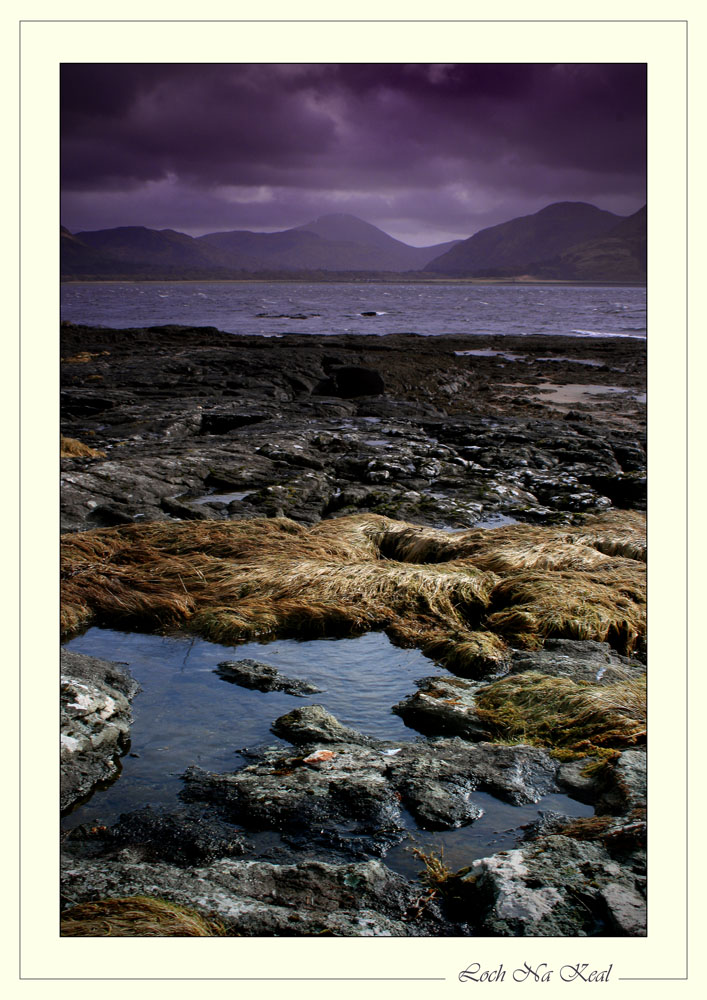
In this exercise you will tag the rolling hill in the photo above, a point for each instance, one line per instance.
(508, 248)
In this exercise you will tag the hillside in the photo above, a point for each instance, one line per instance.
(331, 243)
(567, 241)
(620, 255)
(508, 248)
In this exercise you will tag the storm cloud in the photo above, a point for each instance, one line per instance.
(426, 152)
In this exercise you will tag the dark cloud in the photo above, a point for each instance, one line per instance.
(432, 149)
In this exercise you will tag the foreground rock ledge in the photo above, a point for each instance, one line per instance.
(259, 899)
(95, 722)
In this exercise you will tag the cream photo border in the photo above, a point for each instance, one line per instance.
(310, 967)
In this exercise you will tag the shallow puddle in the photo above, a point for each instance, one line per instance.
(570, 393)
(218, 497)
(499, 829)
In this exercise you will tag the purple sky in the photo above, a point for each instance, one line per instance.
(426, 152)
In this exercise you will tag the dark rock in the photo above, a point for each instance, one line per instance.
(350, 381)
(517, 774)
(359, 785)
(624, 784)
(185, 511)
(262, 677)
(216, 422)
(178, 838)
(105, 515)
(95, 722)
(322, 789)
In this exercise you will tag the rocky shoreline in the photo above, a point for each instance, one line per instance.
(237, 486)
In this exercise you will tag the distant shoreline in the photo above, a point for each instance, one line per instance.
(354, 281)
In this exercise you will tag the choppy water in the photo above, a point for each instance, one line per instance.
(185, 714)
(269, 308)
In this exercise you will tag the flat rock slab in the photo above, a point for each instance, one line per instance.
(181, 411)
(255, 898)
(95, 722)
(263, 677)
(183, 838)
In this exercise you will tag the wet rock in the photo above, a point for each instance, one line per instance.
(185, 511)
(324, 793)
(107, 515)
(95, 722)
(169, 430)
(624, 784)
(255, 899)
(262, 677)
(443, 706)
(313, 724)
(580, 660)
(223, 422)
(557, 887)
(579, 780)
(350, 381)
(179, 838)
(517, 774)
(359, 786)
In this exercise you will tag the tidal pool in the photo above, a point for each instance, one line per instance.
(186, 714)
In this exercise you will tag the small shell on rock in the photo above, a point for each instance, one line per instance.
(318, 756)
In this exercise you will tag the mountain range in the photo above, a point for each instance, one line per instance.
(565, 241)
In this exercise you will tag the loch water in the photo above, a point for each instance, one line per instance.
(281, 308)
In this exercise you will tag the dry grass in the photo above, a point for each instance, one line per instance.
(563, 714)
(136, 916)
(241, 580)
(607, 605)
(71, 448)
(516, 547)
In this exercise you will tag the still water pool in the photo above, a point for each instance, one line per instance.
(186, 714)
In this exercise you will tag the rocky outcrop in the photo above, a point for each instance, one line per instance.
(313, 427)
(95, 722)
(329, 787)
(556, 887)
(198, 426)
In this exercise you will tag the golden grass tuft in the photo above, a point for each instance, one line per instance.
(71, 448)
(564, 714)
(608, 606)
(235, 581)
(137, 916)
